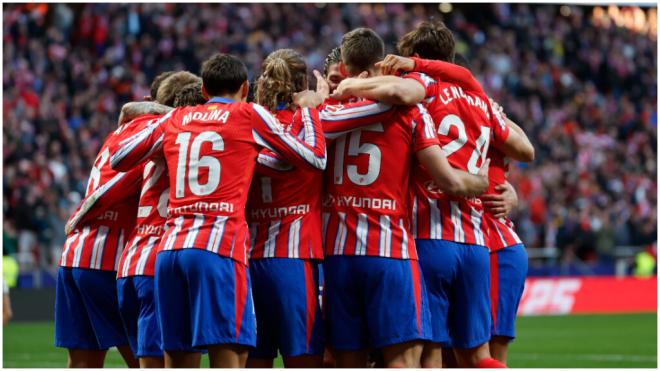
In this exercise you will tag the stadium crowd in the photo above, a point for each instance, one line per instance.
(586, 97)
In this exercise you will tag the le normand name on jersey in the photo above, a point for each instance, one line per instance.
(213, 114)
(448, 94)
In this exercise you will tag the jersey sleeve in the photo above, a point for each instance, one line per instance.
(338, 120)
(500, 129)
(308, 152)
(144, 140)
(270, 163)
(102, 198)
(448, 72)
(430, 85)
(423, 129)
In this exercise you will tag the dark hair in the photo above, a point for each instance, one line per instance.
(172, 84)
(361, 48)
(283, 73)
(153, 90)
(189, 95)
(333, 58)
(460, 60)
(430, 40)
(222, 74)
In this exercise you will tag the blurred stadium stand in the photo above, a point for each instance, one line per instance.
(581, 80)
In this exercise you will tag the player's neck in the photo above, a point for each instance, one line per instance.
(229, 97)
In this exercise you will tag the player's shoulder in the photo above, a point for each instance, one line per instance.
(421, 77)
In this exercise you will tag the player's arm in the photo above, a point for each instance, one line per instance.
(509, 138)
(132, 110)
(270, 163)
(431, 156)
(100, 199)
(307, 152)
(138, 148)
(438, 70)
(387, 89)
(341, 119)
(501, 204)
(449, 179)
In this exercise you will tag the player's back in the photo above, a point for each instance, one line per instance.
(463, 121)
(211, 155)
(105, 217)
(284, 205)
(365, 206)
(138, 258)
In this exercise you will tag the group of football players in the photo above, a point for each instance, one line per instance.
(210, 223)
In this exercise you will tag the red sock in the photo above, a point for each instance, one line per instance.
(490, 363)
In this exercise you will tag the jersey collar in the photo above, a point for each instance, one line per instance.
(221, 100)
(280, 106)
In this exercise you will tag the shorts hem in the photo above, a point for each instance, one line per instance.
(298, 354)
(400, 340)
(504, 335)
(471, 344)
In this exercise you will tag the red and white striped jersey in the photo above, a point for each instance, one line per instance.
(502, 232)
(365, 206)
(97, 230)
(139, 256)
(465, 124)
(284, 204)
(211, 151)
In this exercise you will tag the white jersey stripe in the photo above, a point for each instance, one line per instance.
(429, 126)
(362, 234)
(324, 228)
(385, 246)
(513, 234)
(435, 221)
(459, 234)
(253, 236)
(67, 246)
(98, 246)
(129, 257)
(499, 233)
(404, 241)
(217, 233)
(144, 256)
(294, 238)
(340, 240)
(171, 239)
(77, 252)
(119, 249)
(415, 210)
(189, 242)
(271, 242)
(476, 218)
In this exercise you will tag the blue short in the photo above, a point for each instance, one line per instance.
(373, 302)
(86, 310)
(138, 313)
(508, 269)
(286, 303)
(458, 282)
(203, 299)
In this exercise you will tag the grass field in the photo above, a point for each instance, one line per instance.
(547, 341)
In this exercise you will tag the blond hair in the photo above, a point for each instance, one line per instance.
(284, 72)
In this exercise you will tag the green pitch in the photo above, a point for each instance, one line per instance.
(547, 341)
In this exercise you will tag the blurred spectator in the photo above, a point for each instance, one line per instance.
(586, 95)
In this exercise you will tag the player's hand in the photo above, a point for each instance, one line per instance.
(307, 98)
(322, 87)
(343, 90)
(500, 205)
(394, 63)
